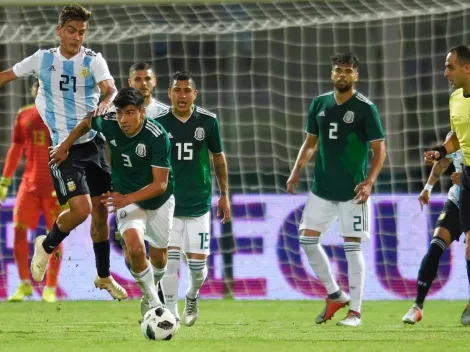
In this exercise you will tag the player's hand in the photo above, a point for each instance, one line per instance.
(424, 198)
(363, 191)
(102, 109)
(223, 209)
(431, 156)
(5, 182)
(115, 200)
(455, 178)
(57, 155)
(293, 182)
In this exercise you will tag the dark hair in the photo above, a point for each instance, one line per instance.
(183, 76)
(140, 66)
(462, 52)
(73, 13)
(346, 58)
(129, 96)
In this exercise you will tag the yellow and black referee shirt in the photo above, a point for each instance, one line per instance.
(459, 107)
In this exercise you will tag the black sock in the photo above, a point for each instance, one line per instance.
(54, 238)
(102, 254)
(428, 269)
(468, 271)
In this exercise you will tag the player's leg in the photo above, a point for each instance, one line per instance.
(25, 215)
(51, 209)
(170, 280)
(354, 227)
(159, 224)
(465, 319)
(132, 225)
(317, 217)
(98, 178)
(464, 211)
(196, 245)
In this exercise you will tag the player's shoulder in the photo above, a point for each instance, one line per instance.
(457, 93)
(204, 112)
(323, 96)
(161, 105)
(90, 53)
(25, 109)
(165, 112)
(362, 99)
(153, 128)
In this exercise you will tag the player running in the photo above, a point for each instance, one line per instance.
(341, 125)
(35, 196)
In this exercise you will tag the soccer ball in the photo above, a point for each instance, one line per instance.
(158, 324)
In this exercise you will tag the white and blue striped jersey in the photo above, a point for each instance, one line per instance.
(155, 108)
(67, 88)
(454, 191)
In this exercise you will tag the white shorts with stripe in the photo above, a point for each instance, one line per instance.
(319, 214)
(192, 235)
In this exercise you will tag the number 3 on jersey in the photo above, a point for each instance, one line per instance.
(333, 130)
(185, 151)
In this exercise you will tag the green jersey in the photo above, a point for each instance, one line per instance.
(132, 158)
(191, 142)
(344, 132)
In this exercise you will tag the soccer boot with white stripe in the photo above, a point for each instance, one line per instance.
(465, 319)
(331, 307)
(40, 260)
(414, 315)
(352, 319)
(109, 284)
(191, 311)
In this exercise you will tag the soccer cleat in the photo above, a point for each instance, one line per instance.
(49, 295)
(109, 284)
(178, 324)
(40, 260)
(465, 319)
(23, 290)
(332, 306)
(414, 315)
(191, 311)
(352, 319)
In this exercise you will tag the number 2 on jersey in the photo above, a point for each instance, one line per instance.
(185, 151)
(333, 130)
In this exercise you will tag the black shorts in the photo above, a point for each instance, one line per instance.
(465, 199)
(85, 171)
(450, 220)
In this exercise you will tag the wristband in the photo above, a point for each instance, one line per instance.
(428, 187)
(442, 151)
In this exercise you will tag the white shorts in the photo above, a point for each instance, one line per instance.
(192, 235)
(319, 214)
(155, 225)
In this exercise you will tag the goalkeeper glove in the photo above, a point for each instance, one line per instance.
(5, 182)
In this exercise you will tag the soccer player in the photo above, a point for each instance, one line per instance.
(142, 77)
(71, 79)
(143, 197)
(447, 230)
(457, 72)
(35, 196)
(341, 126)
(195, 139)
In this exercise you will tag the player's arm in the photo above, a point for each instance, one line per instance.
(451, 145)
(7, 76)
(12, 160)
(109, 90)
(305, 154)
(221, 173)
(59, 153)
(437, 170)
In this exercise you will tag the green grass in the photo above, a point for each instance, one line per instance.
(230, 326)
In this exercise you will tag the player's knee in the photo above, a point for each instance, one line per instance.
(80, 210)
(135, 252)
(467, 245)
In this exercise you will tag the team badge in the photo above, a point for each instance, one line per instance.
(199, 134)
(140, 150)
(84, 72)
(71, 186)
(122, 214)
(348, 117)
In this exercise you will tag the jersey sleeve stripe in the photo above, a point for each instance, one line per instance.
(311, 133)
(154, 132)
(378, 139)
(161, 167)
(363, 98)
(164, 112)
(155, 128)
(205, 112)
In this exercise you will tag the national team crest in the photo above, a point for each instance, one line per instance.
(71, 186)
(199, 134)
(84, 72)
(141, 150)
(348, 117)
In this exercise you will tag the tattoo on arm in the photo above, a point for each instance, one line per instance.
(220, 168)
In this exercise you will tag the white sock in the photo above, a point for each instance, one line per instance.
(146, 283)
(356, 274)
(319, 262)
(197, 275)
(170, 282)
(158, 273)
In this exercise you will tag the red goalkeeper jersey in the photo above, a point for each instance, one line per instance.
(31, 133)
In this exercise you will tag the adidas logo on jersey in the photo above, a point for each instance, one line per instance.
(322, 113)
(113, 142)
(52, 68)
(170, 135)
